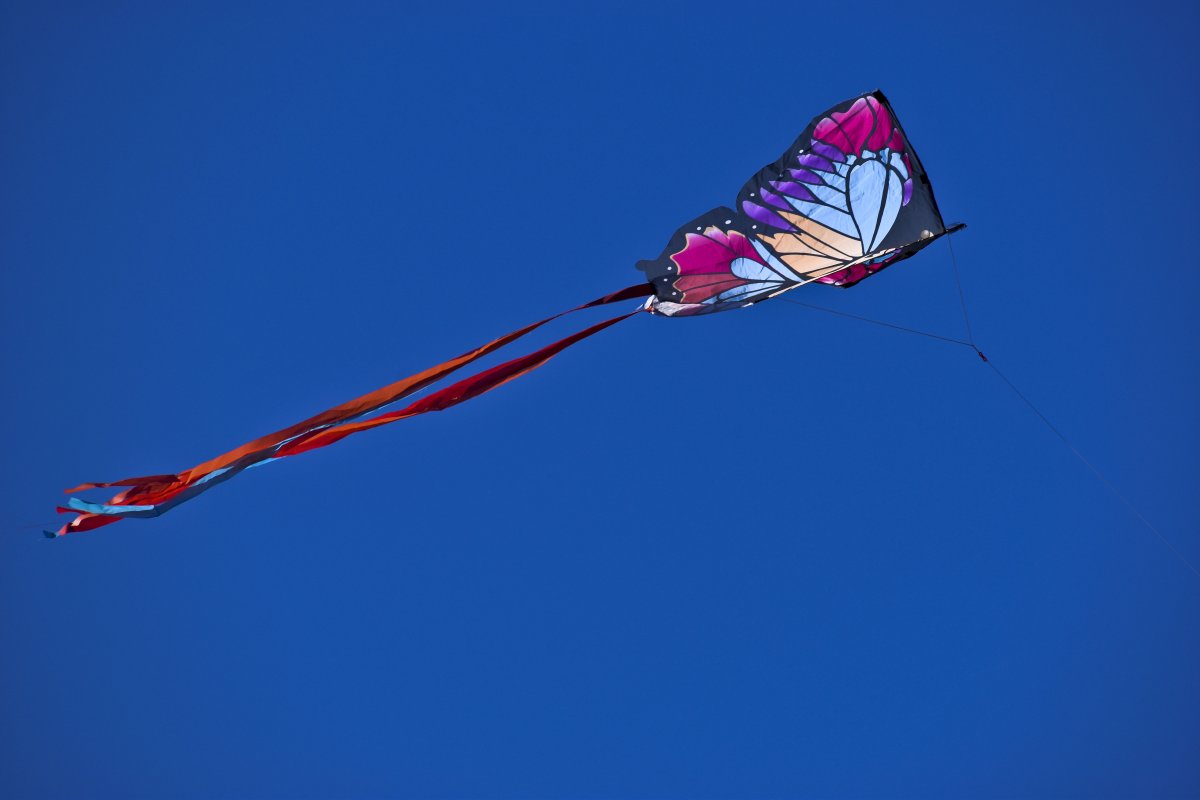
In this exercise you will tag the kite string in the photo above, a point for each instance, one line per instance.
(1095, 471)
(962, 298)
(970, 341)
(1054, 429)
(878, 322)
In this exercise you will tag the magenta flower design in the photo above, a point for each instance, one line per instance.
(716, 266)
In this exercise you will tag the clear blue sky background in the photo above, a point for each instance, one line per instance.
(769, 553)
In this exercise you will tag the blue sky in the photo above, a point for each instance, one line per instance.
(770, 553)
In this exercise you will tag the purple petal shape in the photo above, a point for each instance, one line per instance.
(796, 190)
(774, 199)
(828, 151)
(806, 176)
(814, 161)
(765, 215)
(907, 192)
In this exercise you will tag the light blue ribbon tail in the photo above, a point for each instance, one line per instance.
(75, 504)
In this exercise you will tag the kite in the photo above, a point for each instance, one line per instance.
(847, 200)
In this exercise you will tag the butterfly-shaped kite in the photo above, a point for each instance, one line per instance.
(846, 200)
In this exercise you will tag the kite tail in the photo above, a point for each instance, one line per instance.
(153, 495)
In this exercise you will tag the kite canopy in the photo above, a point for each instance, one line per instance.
(848, 199)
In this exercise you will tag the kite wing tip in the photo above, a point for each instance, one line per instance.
(50, 534)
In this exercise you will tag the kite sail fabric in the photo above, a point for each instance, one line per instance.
(847, 200)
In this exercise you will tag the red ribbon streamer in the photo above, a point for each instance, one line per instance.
(336, 423)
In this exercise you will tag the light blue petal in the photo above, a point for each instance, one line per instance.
(835, 197)
(783, 269)
(751, 270)
(749, 289)
(876, 194)
(840, 221)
